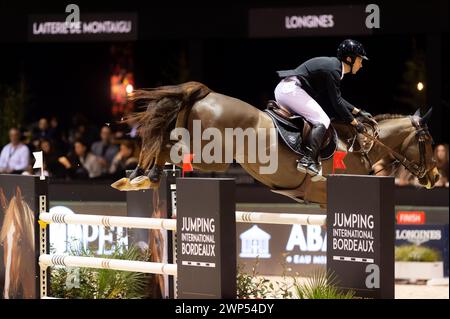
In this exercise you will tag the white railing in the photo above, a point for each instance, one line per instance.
(104, 263)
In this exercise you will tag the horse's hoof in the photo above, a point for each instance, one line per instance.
(121, 184)
(136, 173)
(141, 182)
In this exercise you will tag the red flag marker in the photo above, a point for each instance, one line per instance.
(338, 160)
(187, 166)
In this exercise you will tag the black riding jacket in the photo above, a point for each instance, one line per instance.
(321, 78)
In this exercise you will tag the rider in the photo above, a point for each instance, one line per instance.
(312, 91)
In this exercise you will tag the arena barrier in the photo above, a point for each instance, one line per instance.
(360, 230)
(360, 234)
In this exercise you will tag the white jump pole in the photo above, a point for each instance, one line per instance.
(104, 263)
(284, 219)
(110, 221)
(171, 224)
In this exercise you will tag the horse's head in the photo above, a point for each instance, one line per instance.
(17, 238)
(418, 149)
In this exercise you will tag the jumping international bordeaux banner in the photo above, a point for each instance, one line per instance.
(91, 27)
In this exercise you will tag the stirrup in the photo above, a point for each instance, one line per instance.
(316, 177)
(302, 167)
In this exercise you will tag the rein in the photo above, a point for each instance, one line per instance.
(418, 170)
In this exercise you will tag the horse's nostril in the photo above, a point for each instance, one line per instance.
(436, 177)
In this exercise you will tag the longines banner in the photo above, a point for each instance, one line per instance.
(91, 27)
(308, 21)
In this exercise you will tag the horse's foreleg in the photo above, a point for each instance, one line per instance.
(153, 178)
(124, 184)
(142, 166)
(156, 171)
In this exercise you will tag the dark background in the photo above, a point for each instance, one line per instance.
(209, 42)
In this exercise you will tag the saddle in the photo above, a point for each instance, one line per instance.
(293, 129)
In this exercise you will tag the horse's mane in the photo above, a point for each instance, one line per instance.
(382, 117)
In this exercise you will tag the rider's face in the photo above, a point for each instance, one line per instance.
(357, 65)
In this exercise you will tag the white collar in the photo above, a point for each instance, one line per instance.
(342, 73)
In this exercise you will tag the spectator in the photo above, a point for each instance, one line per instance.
(442, 164)
(104, 149)
(56, 133)
(81, 130)
(81, 164)
(124, 160)
(42, 130)
(51, 156)
(15, 156)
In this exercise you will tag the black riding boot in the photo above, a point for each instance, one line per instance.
(310, 163)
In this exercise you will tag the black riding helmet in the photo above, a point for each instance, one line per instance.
(351, 48)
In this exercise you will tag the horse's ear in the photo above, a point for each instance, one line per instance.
(19, 197)
(427, 116)
(417, 113)
(3, 201)
(18, 192)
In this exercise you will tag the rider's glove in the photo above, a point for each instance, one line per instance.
(365, 114)
(359, 126)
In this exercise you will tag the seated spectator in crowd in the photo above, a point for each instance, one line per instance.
(124, 160)
(41, 131)
(57, 135)
(15, 156)
(51, 162)
(442, 164)
(104, 149)
(82, 130)
(81, 164)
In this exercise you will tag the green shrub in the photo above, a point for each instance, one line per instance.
(416, 253)
(320, 285)
(252, 286)
(89, 283)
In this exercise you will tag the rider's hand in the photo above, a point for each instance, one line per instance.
(359, 126)
(367, 117)
(365, 114)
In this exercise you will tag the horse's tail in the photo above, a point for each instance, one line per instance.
(163, 105)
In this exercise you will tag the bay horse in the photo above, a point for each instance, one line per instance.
(399, 138)
(17, 238)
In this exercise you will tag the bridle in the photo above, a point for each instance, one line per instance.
(422, 135)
